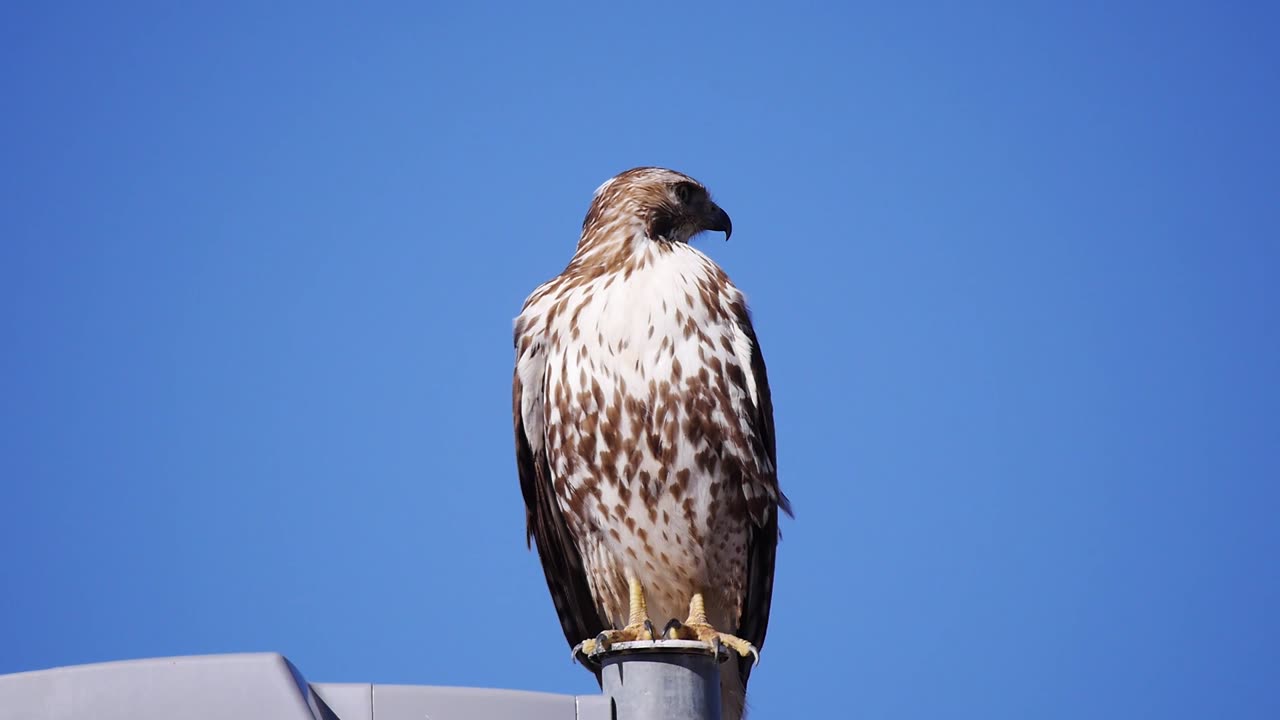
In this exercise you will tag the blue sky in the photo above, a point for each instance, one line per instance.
(1013, 268)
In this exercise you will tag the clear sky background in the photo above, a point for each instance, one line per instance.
(1014, 270)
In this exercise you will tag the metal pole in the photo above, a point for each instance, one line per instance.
(662, 680)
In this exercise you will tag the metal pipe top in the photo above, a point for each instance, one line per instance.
(662, 679)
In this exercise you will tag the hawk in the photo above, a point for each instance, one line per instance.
(644, 431)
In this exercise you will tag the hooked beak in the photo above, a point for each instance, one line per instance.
(718, 220)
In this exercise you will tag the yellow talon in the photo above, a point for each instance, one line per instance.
(696, 627)
(639, 627)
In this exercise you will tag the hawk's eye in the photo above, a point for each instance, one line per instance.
(686, 192)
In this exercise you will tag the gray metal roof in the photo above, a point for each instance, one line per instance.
(260, 685)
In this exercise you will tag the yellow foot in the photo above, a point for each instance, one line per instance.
(638, 626)
(696, 627)
(677, 630)
(602, 642)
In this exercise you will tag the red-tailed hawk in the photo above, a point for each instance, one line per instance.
(644, 431)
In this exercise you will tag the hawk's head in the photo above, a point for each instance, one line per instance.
(670, 206)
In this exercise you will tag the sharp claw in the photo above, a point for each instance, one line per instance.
(717, 647)
(648, 628)
(672, 629)
(602, 644)
(755, 656)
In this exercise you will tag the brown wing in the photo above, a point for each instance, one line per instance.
(762, 541)
(561, 561)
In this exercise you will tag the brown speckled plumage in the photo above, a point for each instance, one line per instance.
(644, 426)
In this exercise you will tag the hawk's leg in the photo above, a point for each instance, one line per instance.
(696, 627)
(638, 625)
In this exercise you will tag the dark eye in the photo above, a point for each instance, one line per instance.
(686, 192)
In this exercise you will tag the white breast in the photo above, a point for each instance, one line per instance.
(630, 340)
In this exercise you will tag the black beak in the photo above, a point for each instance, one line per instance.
(719, 221)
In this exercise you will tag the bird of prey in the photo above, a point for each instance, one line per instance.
(644, 432)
